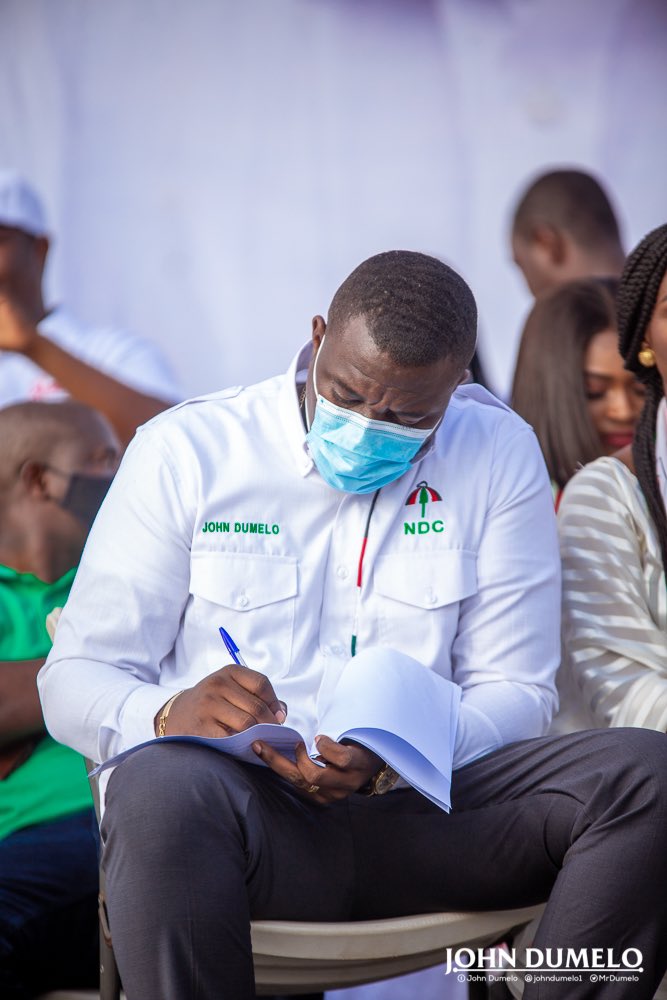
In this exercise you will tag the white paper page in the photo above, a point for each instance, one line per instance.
(388, 690)
(407, 713)
(281, 738)
(417, 770)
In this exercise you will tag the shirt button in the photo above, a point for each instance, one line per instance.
(337, 649)
(342, 573)
(431, 597)
(244, 600)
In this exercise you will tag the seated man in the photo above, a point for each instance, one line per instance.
(360, 502)
(46, 354)
(56, 463)
(564, 228)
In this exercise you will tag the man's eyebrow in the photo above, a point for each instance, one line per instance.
(339, 384)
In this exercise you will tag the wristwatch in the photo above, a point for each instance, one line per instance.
(382, 782)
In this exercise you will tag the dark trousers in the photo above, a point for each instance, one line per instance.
(197, 844)
(48, 907)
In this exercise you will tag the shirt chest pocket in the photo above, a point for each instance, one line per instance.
(253, 596)
(418, 599)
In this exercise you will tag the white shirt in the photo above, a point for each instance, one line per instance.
(219, 517)
(131, 360)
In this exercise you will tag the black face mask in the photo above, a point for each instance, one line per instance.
(84, 495)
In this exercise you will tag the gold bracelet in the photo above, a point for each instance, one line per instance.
(162, 723)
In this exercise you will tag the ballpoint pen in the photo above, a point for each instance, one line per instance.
(237, 657)
(232, 648)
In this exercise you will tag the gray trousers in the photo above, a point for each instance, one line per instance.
(196, 844)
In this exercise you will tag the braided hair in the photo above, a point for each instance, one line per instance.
(638, 290)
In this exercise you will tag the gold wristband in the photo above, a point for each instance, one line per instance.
(162, 722)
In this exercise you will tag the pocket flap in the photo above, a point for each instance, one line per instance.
(427, 581)
(243, 580)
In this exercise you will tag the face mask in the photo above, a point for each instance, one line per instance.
(355, 454)
(84, 495)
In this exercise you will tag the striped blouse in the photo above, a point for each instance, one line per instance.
(614, 670)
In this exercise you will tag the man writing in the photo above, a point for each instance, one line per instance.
(326, 461)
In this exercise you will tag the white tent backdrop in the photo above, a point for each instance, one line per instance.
(214, 169)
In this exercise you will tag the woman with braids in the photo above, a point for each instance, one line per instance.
(570, 384)
(613, 529)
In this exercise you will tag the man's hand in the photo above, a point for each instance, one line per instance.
(17, 333)
(349, 767)
(228, 701)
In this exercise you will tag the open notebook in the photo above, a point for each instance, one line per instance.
(385, 701)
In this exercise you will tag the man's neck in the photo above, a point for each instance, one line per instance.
(34, 553)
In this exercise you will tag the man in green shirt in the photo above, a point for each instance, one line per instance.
(56, 463)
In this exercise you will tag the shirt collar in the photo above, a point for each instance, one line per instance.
(290, 411)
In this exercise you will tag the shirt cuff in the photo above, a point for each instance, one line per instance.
(137, 718)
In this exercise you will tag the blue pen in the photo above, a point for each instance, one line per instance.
(236, 656)
(232, 648)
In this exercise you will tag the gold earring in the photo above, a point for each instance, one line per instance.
(646, 356)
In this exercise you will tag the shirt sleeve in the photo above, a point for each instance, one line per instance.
(507, 647)
(99, 686)
(132, 360)
(612, 589)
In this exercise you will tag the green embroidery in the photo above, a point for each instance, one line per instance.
(422, 527)
(241, 527)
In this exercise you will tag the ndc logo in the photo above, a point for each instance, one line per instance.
(422, 496)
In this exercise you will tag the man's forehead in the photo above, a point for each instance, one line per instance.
(353, 359)
(354, 338)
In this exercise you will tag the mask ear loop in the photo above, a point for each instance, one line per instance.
(305, 408)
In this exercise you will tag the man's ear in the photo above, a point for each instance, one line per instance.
(319, 329)
(42, 249)
(32, 476)
(549, 242)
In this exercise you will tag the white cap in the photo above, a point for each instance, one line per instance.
(20, 205)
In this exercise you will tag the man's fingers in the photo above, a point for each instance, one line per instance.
(259, 686)
(284, 766)
(238, 704)
(334, 753)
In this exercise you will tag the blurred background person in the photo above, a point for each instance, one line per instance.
(56, 464)
(45, 353)
(570, 384)
(564, 227)
(613, 529)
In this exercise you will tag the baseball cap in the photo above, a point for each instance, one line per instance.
(20, 205)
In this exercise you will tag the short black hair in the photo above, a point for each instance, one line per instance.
(417, 309)
(571, 200)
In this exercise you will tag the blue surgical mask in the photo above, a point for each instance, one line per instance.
(355, 454)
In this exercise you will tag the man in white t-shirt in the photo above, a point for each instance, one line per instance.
(45, 354)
